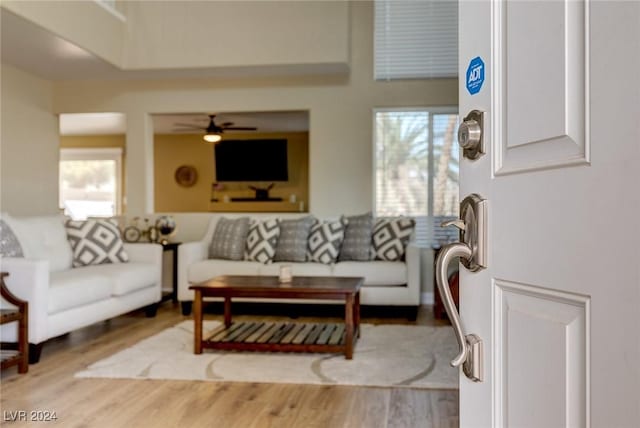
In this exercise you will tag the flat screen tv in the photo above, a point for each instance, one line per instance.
(251, 160)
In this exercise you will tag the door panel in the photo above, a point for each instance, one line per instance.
(541, 96)
(540, 331)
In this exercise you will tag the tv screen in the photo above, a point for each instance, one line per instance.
(251, 160)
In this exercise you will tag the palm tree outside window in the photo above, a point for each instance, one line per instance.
(416, 169)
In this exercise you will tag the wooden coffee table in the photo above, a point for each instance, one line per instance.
(283, 336)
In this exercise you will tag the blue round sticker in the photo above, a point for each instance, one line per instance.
(475, 75)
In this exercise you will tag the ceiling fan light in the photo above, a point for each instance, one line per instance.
(212, 138)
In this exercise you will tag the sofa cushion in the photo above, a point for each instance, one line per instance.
(298, 269)
(357, 238)
(207, 269)
(43, 238)
(95, 242)
(391, 236)
(292, 243)
(76, 287)
(125, 278)
(262, 240)
(229, 239)
(375, 273)
(9, 244)
(325, 240)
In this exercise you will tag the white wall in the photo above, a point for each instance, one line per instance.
(340, 107)
(235, 33)
(29, 145)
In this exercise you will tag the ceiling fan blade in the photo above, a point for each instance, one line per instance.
(185, 130)
(227, 124)
(241, 128)
(188, 125)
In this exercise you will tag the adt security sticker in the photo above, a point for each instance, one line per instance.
(475, 75)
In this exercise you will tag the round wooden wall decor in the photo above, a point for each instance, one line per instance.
(186, 176)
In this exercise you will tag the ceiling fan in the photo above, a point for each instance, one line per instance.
(213, 131)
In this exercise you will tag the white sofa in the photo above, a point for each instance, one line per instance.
(385, 283)
(61, 298)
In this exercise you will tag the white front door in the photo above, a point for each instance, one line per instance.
(558, 306)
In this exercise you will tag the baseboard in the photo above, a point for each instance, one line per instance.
(426, 298)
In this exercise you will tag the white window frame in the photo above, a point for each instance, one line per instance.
(89, 154)
(424, 242)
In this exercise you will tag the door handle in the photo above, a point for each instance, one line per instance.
(472, 253)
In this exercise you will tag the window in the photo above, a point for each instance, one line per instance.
(90, 182)
(415, 39)
(416, 169)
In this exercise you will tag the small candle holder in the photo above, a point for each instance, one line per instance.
(285, 274)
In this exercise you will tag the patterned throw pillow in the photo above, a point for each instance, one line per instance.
(95, 242)
(262, 240)
(229, 239)
(9, 244)
(292, 243)
(325, 241)
(357, 239)
(391, 236)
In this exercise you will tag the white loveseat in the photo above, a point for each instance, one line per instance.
(386, 283)
(62, 298)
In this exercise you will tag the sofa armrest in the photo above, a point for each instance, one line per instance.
(188, 253)
(412, 258)
(28, 279)
(144, 252)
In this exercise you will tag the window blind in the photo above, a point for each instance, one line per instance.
(416, 170)
(415, 39)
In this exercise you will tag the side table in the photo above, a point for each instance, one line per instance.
(19, 315)
(173, 247)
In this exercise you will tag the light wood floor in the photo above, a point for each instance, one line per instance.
(109, 403)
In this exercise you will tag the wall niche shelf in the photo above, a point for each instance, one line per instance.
(257, 206)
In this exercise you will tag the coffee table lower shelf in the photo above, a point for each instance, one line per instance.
(279, 336)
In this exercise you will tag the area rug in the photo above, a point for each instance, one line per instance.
(384, 356)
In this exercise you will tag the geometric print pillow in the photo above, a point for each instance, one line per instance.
(391, 236)
(9, 244)
(325, 241)
(262, 240)
(95, 242)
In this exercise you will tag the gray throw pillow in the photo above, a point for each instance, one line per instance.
(357, 239)
(9, 244)
(325, 241)
(229, 239)
(292, 243)
(391, 236)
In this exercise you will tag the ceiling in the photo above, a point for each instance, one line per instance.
(274, 121)
(93, 124)
(29, 47)
(115, 123)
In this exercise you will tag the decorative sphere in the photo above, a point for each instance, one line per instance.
(166, 224)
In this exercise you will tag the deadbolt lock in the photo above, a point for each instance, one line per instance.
(470, 135)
